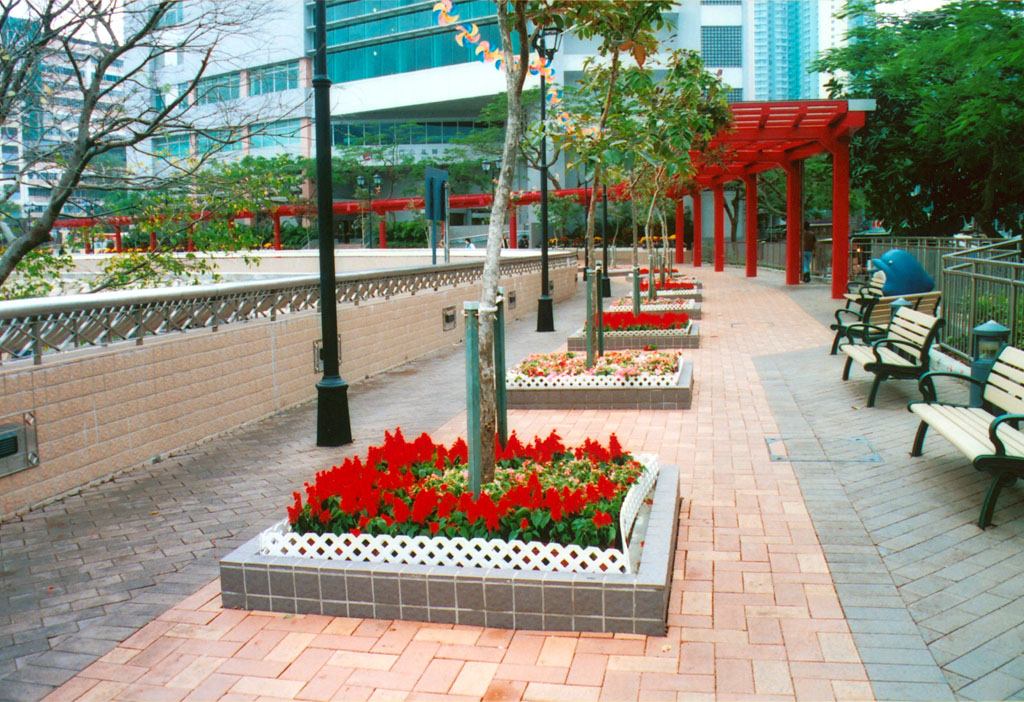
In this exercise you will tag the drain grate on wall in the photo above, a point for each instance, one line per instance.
(842, 450)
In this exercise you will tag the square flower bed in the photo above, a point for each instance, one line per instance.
(629, 379)
(624, 330)
(658, 306)
(550, 544)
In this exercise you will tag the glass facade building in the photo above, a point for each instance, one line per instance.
(374, 38)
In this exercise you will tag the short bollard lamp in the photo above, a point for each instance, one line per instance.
(898, 304)
(989, 339)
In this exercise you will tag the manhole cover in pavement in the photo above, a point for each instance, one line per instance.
(855, 450)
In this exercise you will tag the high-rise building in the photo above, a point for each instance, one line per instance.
(43, 116)
(399, 75)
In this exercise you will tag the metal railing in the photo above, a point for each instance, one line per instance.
(929, 251)
(979, 284)
(37, 326)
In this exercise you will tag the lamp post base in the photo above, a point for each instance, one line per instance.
(606, 285)
(333, 427)
(545, 314)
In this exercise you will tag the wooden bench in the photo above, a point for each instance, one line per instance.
(900, 353)
(856, 291)
(875, 312)
(988, 435)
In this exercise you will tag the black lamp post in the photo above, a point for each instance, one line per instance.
(487, 167)
(606, 283)
(361, 182)
(546, 43)
(333, 427)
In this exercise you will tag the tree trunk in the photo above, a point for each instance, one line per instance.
(666, 263)
(636, 251)
(652, 294)
(514, 79)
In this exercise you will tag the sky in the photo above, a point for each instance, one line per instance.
(908, 6)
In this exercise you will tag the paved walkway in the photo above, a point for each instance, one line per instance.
(817, 560)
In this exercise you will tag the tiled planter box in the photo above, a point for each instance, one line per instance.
(659, 339)
(678, 396)
(614, 602)
(688, 305)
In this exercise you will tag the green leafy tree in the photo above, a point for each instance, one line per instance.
(105, 100)
(943, 144)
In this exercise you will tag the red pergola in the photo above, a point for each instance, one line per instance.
(780, 135)
(764, 135)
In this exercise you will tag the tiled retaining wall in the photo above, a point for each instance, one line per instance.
(677, 397)
(618, 341)
(629, 603)
(103, 410)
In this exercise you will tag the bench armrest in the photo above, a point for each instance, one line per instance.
(843, 310)
(862, 329)
(993, 433)
(895, 342)
(927, 384)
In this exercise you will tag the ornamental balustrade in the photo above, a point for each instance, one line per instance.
(38, 326)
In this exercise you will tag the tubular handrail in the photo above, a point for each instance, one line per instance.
(46, 325)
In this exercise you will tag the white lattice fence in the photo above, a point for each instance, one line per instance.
(469, 553)
(516, 381)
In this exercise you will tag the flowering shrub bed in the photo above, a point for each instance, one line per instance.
(660, 302)
(627, 321)
(542, 491)
(669, 285)
(624, 366)
(644, 271)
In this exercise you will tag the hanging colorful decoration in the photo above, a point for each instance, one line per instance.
(538, 66)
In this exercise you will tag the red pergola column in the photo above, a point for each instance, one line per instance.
(152, 241)
(719, 192)
(513, 241)
(88, 241)
(794, 220)
(277, 231)
(382, 233)
(191, 244)
(750, 185)
(512, 224)
(697, 230)
(840, 218)
(680, 232)
(117, 238)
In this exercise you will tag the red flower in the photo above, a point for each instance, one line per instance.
(607, 488)
(435, 527)
(553, 502)
(423, 505)
(614, 447)
(354, 531)
(524, 525)
(400, 510)
(602, 519)
(325, 517)
(446, 505)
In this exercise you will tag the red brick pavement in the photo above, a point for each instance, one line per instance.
(753, 612)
